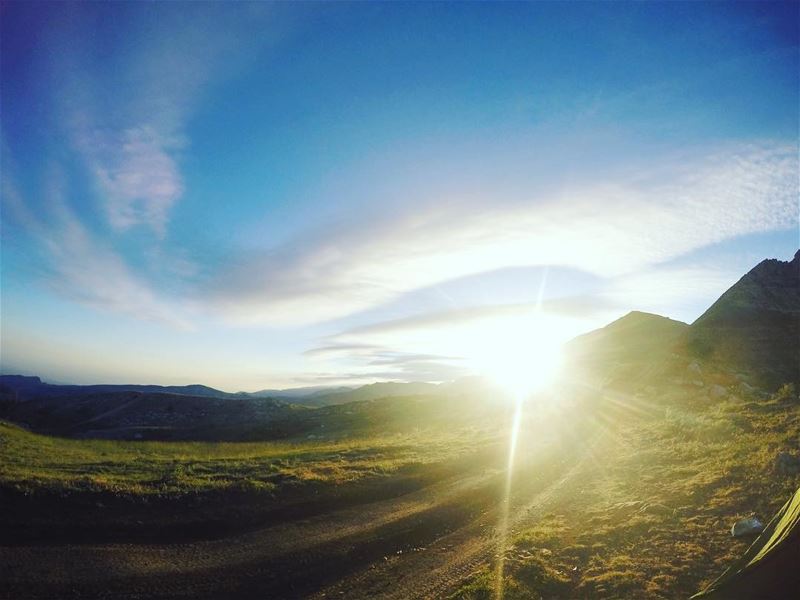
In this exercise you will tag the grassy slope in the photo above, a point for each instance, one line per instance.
(33, 463)
(650, 518)
(98, 490)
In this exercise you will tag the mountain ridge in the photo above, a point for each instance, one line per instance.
(754, 327)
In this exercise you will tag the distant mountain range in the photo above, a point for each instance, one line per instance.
(373, 391)
(25, 387)
(33, 387)
(298, 393)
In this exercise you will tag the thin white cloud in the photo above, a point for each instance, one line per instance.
(82, 268)
(125, 119)
(332, 351)
(128, 117)
(609, 228)
(575, 306)
(137, 176)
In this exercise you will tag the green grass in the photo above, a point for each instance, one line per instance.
(31, 462)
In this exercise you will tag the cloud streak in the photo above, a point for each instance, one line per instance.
(129, 121)
(579, 306)
(137, 175)
(84, 269)
(609, 228)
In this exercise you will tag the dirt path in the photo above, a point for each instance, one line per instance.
(453, 558)
(419, 545)
(88, 569)
(130, 559)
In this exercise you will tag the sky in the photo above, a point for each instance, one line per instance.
(270, 195)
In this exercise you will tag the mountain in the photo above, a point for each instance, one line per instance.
(151, 412)
(373, 391)
(25, 387)
(752, 330)
(637, 346)
(754, 327)
(298, 394)
(636, 336)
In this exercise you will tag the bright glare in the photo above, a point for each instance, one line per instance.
(522, 356)
(519, 350)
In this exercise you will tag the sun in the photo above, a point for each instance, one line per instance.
(522, 356)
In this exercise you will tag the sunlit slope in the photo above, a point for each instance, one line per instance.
(754, 327)
(54, 488)
(32, 462)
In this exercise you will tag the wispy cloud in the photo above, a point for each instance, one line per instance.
(609, 228)
(577, 306)
(405, 371)
(81, 267)
(128, 119)
(125, 119)
(136, 174)
(341, 350)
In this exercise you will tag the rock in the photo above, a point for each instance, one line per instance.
(694, 368)
(741, 422)
(718, 391)
(787, 464)
(657, 509)
(745, 527)
(623, 509)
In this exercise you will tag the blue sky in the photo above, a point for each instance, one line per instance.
(260, 195)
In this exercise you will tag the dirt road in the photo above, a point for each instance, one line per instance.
(418, 545)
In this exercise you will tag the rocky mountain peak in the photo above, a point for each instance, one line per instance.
(755, 325)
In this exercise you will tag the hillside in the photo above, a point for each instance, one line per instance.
(754, 327)
(373, 391)
(637, 348)
(139, 415)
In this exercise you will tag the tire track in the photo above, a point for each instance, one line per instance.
(453, 558)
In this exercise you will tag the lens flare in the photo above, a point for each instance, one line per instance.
(505, 508)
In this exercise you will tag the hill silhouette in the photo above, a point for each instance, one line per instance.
(25, 387)
(754, 327)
